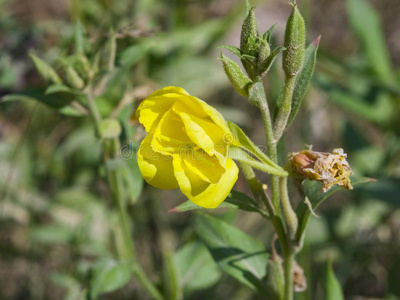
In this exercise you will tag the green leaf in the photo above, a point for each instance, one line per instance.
(235, 200)
(44, 69)
(59, 88)
(234, 251)
(61, 102)
(196, 267)
(333, 290)
(245, 141)
(242, 155)
(74, 290)
(109, 276)
(375, 112)
(51, 234)
(303, 79)
(316, 196)
(266, 66)
(172, 288)
(268, 33)
(134, 53)
(232, 49)
(79, 37)
(366, 23)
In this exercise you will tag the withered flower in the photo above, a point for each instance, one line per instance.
(329, 168)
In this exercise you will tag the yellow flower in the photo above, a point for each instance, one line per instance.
(329, 168)
(186, 147)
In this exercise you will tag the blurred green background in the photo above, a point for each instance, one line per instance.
(55, 208)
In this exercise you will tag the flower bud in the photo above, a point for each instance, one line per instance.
(295, 35)
(73, 78)
(329, 168)
(249, 34)
(236, 76)
(109, 128)
(264, 52)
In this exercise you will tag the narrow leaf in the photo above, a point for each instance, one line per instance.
(366, 23)
(241, 155)
(268, 64)
(44, 69)
(249, 145)
(232, 49)
(59, 88)
(235, 252)
(235, 200)
(79, 36)
(268, 33)
(61, 103)
(303, 79)
(313, 192)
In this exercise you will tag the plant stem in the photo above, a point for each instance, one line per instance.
(111, 150)
(285, 108)
(117, 191)
(284, 239)
(288, 213)
(288, 273)
(272, 153)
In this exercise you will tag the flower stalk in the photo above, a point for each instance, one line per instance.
(108, 132)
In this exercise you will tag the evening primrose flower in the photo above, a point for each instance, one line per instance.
(330, 168)
(186, 147)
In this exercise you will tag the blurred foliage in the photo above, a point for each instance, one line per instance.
(56, 214)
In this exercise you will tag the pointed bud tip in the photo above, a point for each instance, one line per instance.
(173, 210)
(316, 42)
(293, 4)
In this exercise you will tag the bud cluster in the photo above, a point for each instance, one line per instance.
(254, 53)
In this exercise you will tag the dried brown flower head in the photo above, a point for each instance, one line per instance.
(329, 168)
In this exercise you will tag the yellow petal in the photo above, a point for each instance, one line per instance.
(201, 193)
(156, 169)
(203, 132)
(153, 107)
(208, 168)
(170, 135)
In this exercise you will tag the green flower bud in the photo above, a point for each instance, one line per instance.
(249, 34)
(295, 36)
(264, 52)
(249, 42)
(109, 129)
(237, 77)
(82, 66)
(73, 78)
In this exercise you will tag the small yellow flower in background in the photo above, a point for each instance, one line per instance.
(330, 168)
(186, 147)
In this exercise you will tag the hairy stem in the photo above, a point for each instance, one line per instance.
(259, 193)
(284, 240)
(285, 108)
(288, 213)
(288, 274)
